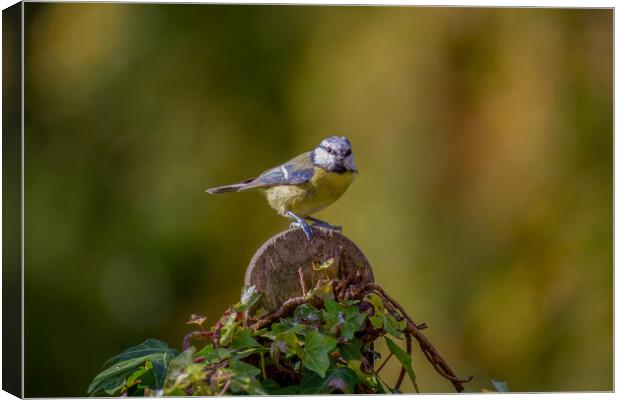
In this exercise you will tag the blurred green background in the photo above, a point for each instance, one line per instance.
(484, 201)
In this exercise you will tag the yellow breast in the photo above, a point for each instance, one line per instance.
(322, 190)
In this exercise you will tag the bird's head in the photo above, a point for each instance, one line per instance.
(334, 154)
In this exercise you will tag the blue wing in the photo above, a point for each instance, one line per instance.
(293, 172)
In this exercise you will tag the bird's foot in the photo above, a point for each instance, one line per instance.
(300, 223)
(323, 224)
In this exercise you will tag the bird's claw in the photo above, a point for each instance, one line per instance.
(328, 226)
(332, 227)
(325, 225)
(307, 229)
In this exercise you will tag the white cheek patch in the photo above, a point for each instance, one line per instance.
(323, 158)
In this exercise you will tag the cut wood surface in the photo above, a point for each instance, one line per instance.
(277, 268)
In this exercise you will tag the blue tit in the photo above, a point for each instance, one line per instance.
(306, 184)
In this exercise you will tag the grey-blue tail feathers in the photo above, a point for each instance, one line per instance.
(230, 188)
(226, 189)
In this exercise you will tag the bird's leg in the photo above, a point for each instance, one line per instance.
(299, 222)
(324, 224)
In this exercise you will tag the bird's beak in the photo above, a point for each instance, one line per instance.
(349, 163)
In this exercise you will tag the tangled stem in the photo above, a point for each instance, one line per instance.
(348, 289)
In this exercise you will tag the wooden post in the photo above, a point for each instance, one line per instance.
(278, 267)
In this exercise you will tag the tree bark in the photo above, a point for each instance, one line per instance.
(288, 264)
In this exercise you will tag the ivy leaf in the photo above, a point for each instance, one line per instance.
(177, 367)
(339, 380)
(405, 360)
(351, 351)
(122, 366)
(134, 378)
(249, 297)
(248, 352)
(138, 382)
(306, 313)
(280, 328)
(353, 323)
(343, 319)
(212, 354)
(377, 318)
(328, 263)
(316, 352)
(382, 319)
(112, 380)
(273, 388)
(270, 385)
(229, 325)
(323, 291)
(243, 339)
(393, 326)
(149, 346)
(184, 373)
(375, 383)
(244, 378)
(287, 390)
(287, 343)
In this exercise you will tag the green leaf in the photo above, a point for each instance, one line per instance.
(404, 359)
(212, 354)
(328, 263)
(136, 385)
(323, 291)
(500, 386)
(345, 320)
(273, 388)
(377, 318)
(375, 383)
(177, 367)
(351, 351)
(249, 297)
(133, 378)
(270, 385)
(244, 378)
(183, 373)
(283, 325)
(286, 343)
(305, 313)
(243, 339)
(112, 379)
(287, 390)
(113, 386)
(383, 319)
(149, 346)
(239, 355)
(229, 325)
(316, 352)
(393, 326)
(336, 380)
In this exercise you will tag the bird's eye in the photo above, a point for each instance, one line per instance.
(329, 150)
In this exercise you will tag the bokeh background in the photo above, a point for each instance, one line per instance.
(484, 202)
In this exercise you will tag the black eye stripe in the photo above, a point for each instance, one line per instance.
(331, 150)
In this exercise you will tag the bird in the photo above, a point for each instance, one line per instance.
(305, 184)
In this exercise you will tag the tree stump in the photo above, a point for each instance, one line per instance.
(279, 267)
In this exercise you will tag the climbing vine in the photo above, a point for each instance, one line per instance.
(318, 343)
